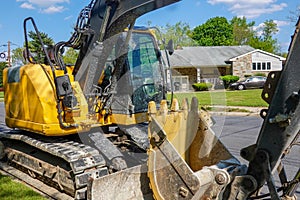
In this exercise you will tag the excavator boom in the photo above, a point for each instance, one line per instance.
(107, 19)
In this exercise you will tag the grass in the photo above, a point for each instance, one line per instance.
(250, 98)
(11, 190)
(1, 96)
(227, 109)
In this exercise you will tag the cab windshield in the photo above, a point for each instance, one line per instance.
(146, 70)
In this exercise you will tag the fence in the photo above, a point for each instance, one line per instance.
(214, 81)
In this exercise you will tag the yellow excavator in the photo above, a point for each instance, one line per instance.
(103, 128)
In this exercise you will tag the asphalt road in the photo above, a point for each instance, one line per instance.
(235, 132)
(238, 132)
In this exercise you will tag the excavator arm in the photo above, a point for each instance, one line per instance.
(282, 121)
(107, 19)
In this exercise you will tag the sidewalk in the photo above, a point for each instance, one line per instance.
(236, 110)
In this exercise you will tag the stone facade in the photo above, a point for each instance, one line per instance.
(242, 66)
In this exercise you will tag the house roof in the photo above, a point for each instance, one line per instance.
(260, 51)
(204, 56)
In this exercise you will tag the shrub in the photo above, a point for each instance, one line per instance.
(229, 79)
(260, 74)
(202, 86)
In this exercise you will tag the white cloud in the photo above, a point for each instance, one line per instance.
(68, 17)
(44, 6)
(27, 6)
(250, 8)
(53, 9)
(282, 23)
(259, 28)
(241, 1)
(47, 3)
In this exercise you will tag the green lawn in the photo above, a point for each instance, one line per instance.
(11, 190)
(251, 98)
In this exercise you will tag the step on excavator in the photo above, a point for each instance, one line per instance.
(103, 128)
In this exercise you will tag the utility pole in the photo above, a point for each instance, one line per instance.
(8, 53)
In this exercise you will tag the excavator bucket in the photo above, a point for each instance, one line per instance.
(182, 149)
(131, 183)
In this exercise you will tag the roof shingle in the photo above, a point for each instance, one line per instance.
(204, 56)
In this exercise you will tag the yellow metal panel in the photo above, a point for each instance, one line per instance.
(124, 119)
(30, 102)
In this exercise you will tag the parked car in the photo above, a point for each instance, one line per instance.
(250, 82)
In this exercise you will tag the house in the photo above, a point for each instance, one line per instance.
(256, 61)
(205, 64)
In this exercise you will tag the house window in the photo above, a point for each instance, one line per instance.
(261, 66)
(268, 65)
(258, 66)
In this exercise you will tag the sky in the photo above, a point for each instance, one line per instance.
(57, 17)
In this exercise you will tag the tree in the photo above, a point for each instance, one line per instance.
(295, 14)
(2, 66)
(266, 41)
(242, 31)
(269, 29)
(214, 32)
(70, 56)
(179, 33)
(17, 56)
(35, 46)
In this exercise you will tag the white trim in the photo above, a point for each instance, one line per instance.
(257, 50)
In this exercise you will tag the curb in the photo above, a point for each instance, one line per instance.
(244, 111)
(242, 114)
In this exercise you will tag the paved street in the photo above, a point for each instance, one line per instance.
(239, 132)
(236, 132)
(2, 115)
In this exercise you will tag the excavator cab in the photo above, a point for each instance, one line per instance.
(141, 78)
(146, 71)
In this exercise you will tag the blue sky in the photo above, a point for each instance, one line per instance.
(56, 17)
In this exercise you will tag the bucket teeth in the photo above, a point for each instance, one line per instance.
(185, 104)
(194, 104)
(163, 107)
(152, 108)
(175, 105)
